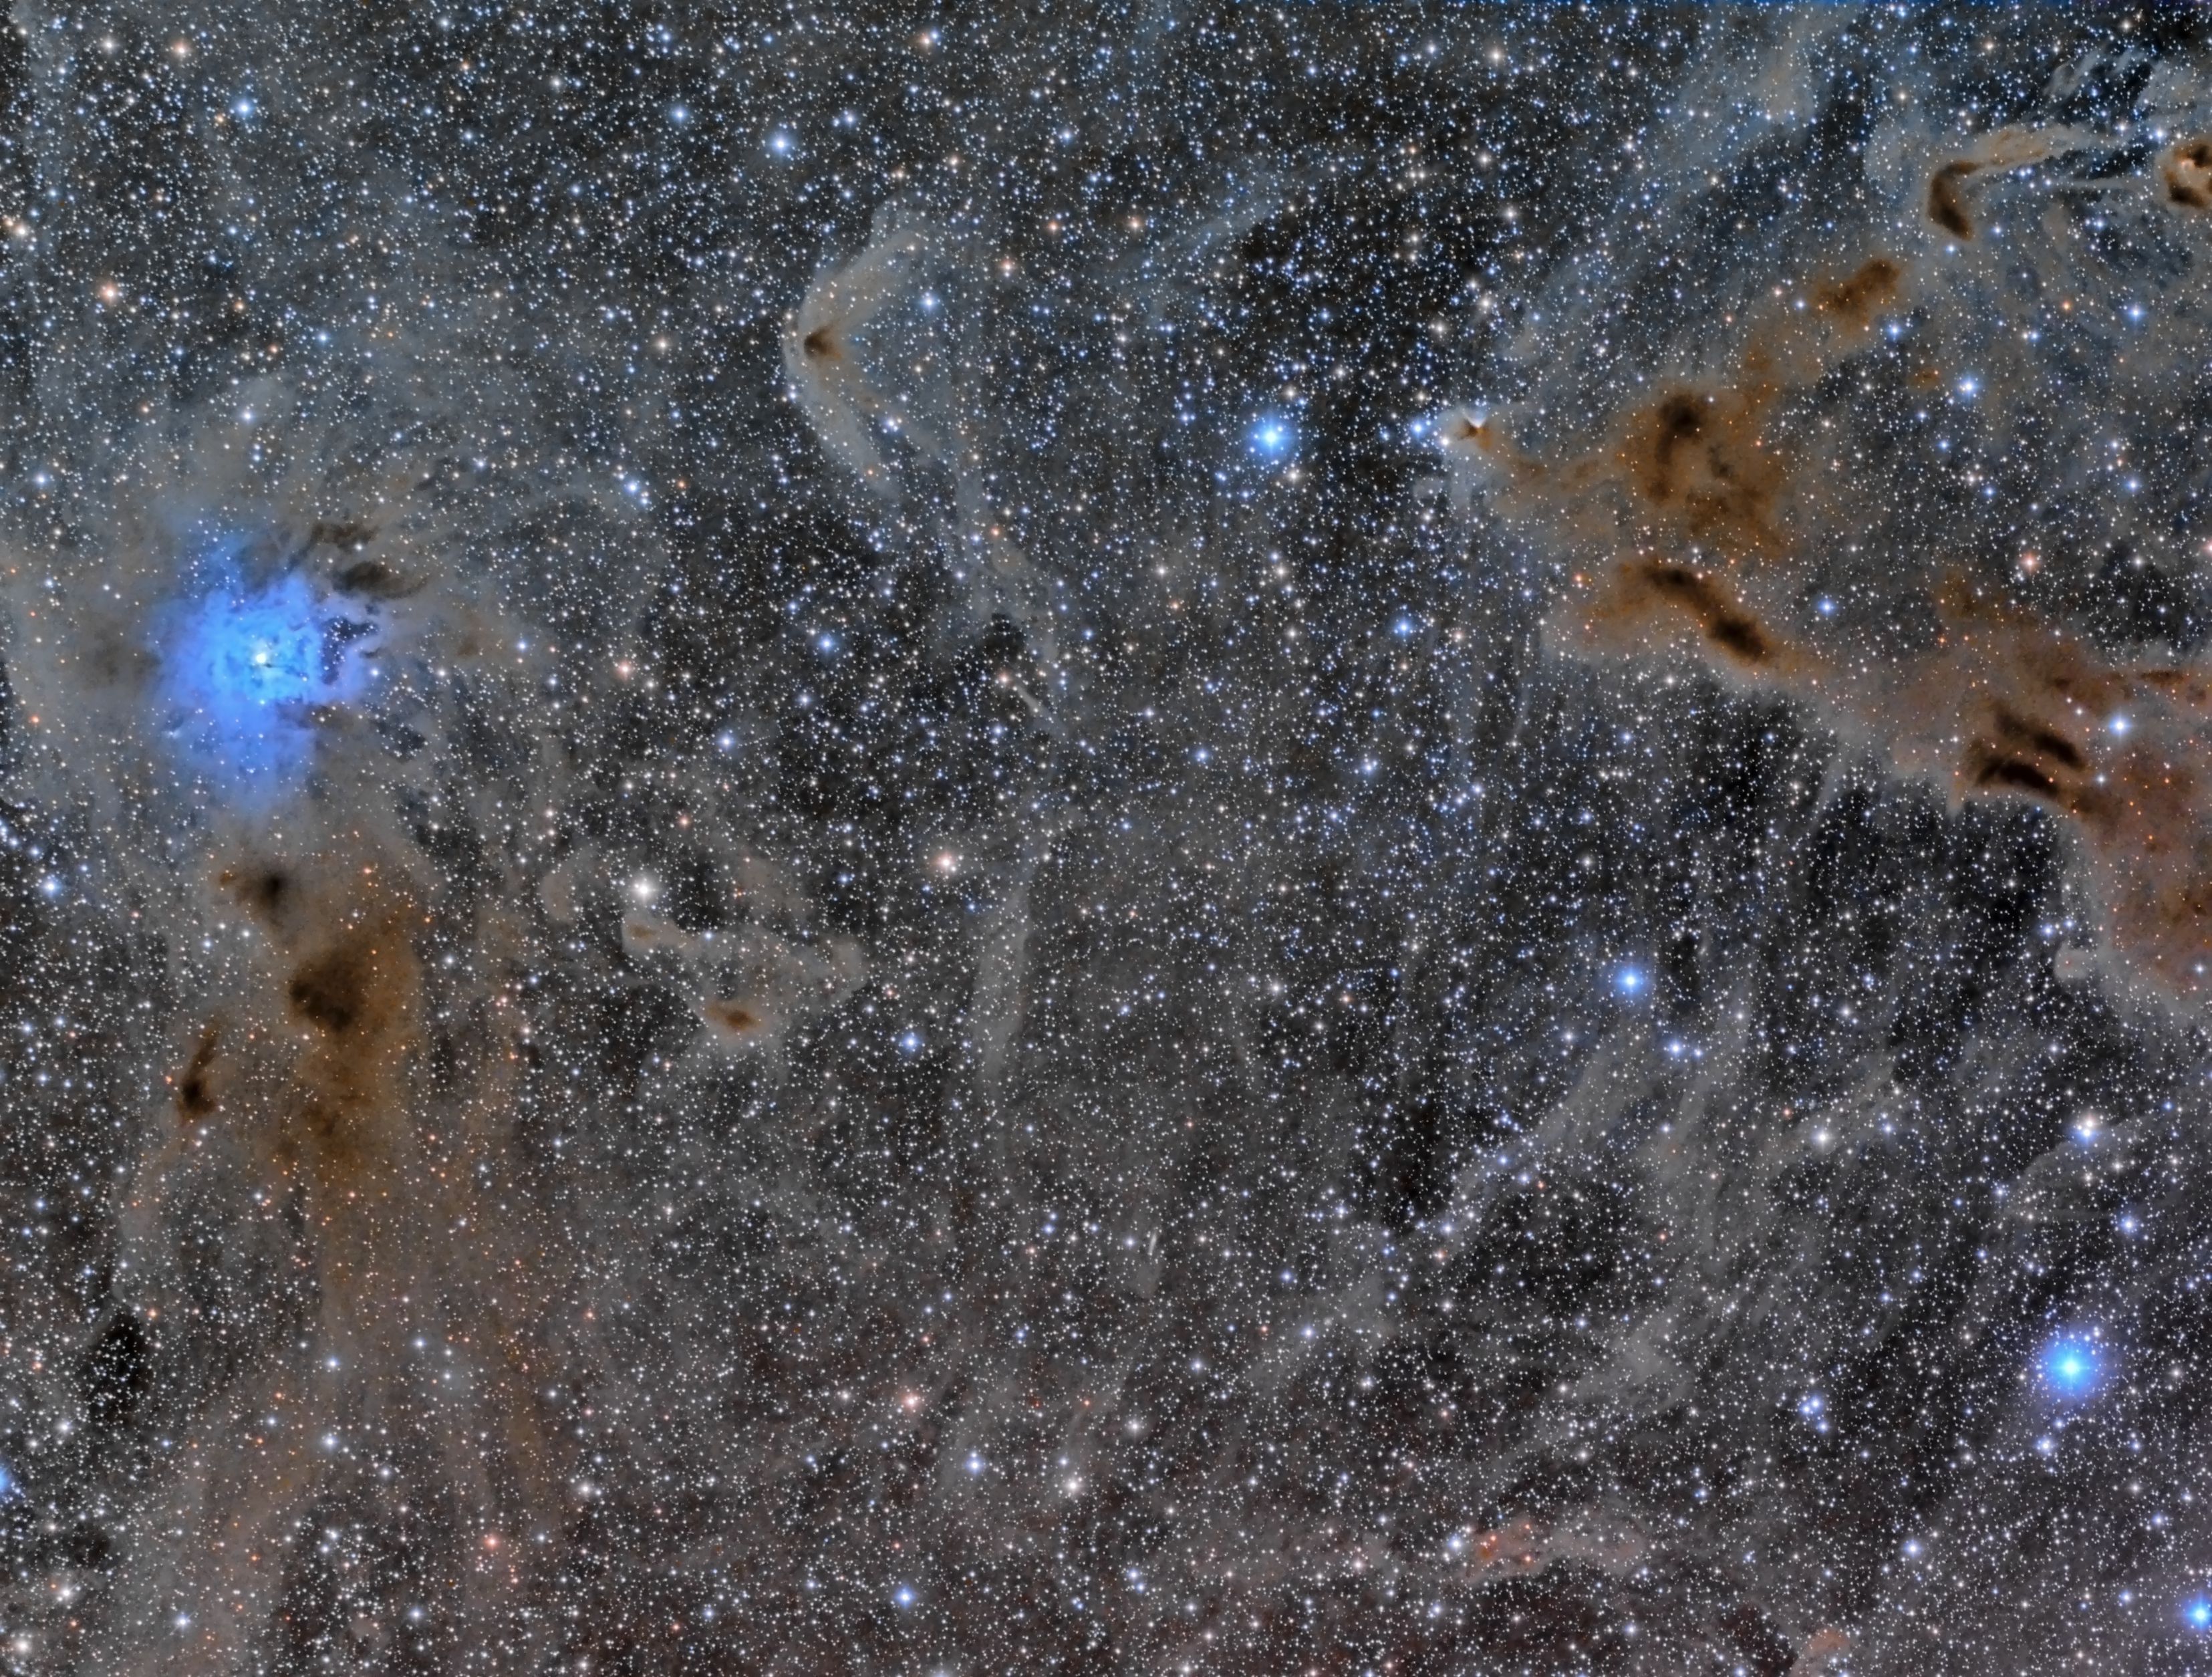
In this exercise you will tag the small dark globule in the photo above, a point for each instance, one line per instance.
(374, 580)
(820, 345)
(263, 891)
(1697, 455)
(2042, 739)
(196, 1096)
(1740, 635)
(1734, 631)
(2011, 772)
(1855, 299)
(330, 990)
(2187, 172)
(1946, 198)
(2187, 686)
(733, 1016)
(1681, 419)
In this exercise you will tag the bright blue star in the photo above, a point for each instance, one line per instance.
(2197, 1612)
(1630, 980)
(2071, 1365)
(1272, 437)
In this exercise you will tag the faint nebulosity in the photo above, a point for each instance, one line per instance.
(1317, 838)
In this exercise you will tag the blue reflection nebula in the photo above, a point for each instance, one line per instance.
(2071, 1365)
(244, 669)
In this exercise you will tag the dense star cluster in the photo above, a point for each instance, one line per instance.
(1267, 840)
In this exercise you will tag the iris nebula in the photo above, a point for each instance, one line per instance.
(248, 670)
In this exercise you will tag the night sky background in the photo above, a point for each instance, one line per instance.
(824, 848)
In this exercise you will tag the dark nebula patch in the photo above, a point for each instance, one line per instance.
(1947, 198)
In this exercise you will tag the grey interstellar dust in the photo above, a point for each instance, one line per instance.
(1317, 840)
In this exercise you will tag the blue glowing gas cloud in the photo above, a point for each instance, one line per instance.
(245, 669)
